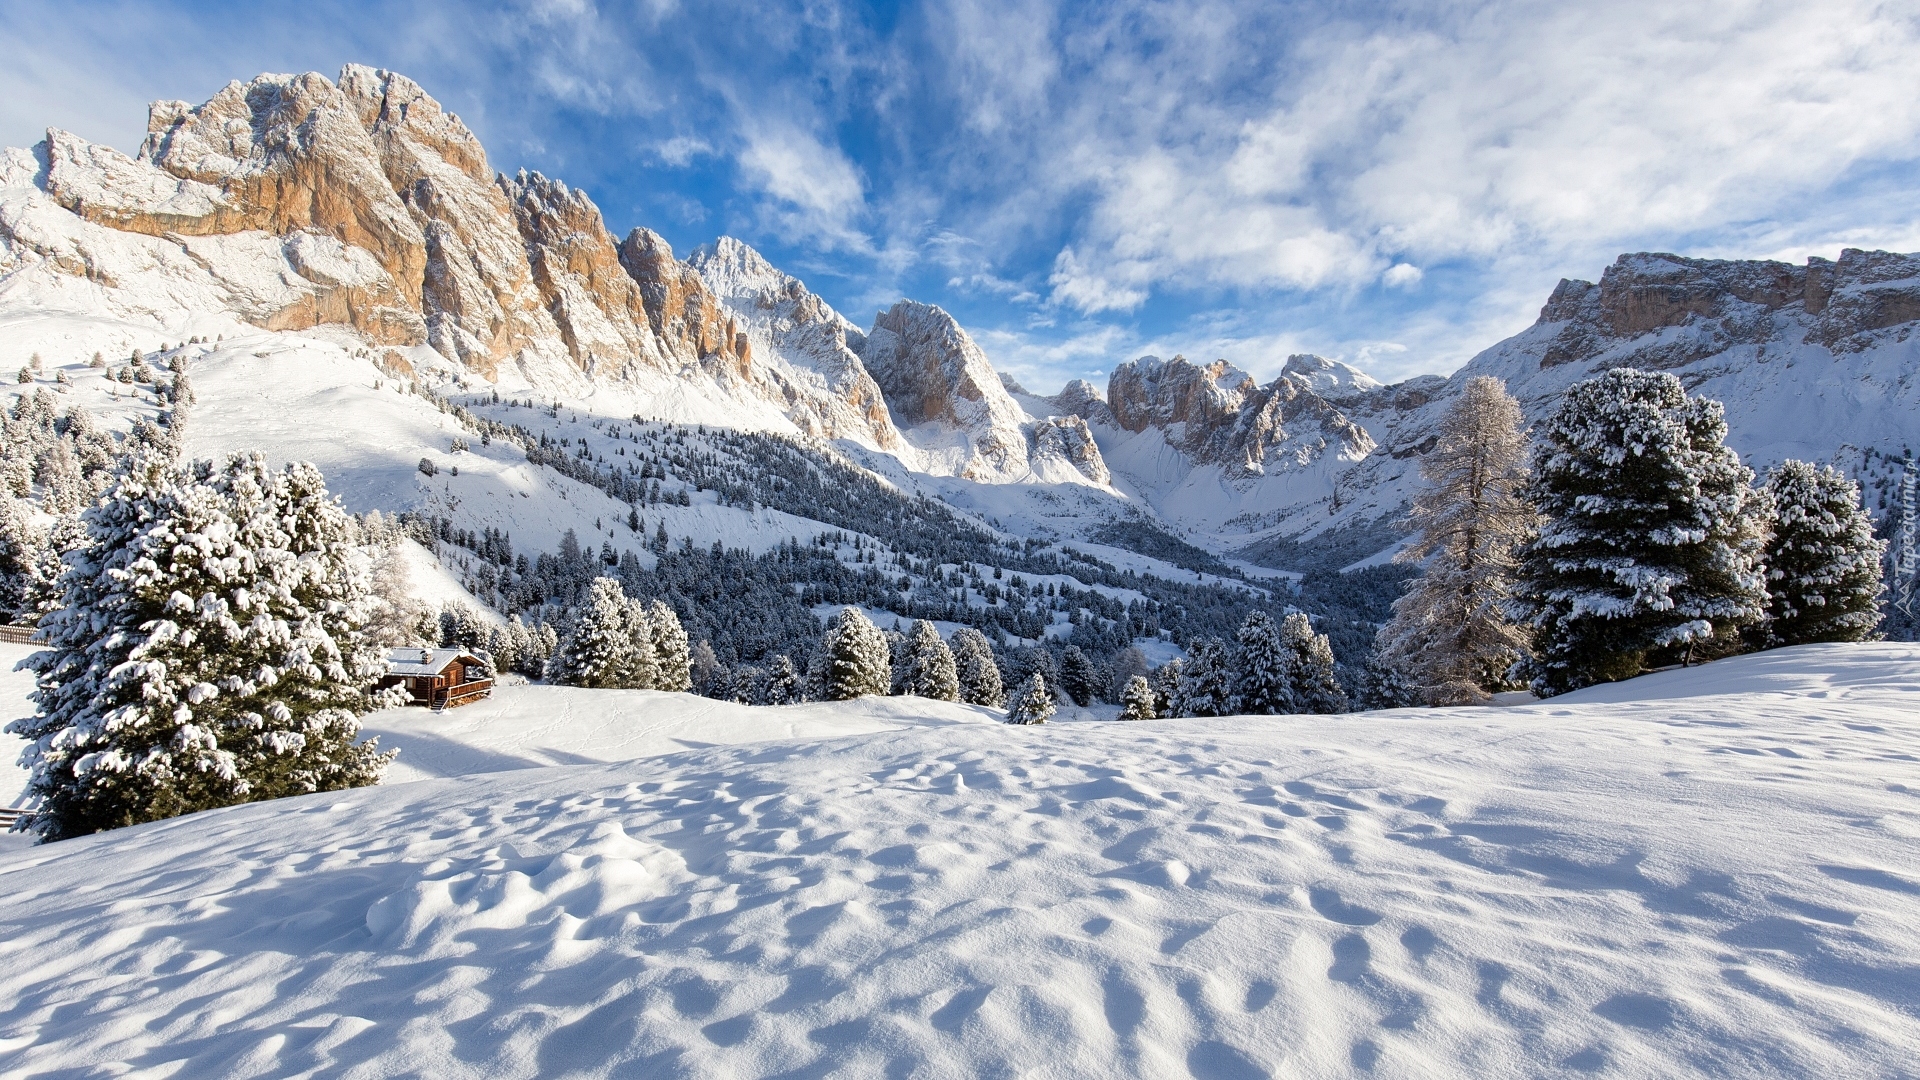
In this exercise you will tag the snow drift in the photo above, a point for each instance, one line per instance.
(1704, 872)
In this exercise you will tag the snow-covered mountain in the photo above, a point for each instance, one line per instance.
(298, 202)
(358, 214)
(1816, 362)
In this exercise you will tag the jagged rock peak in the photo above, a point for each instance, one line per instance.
(1217, 414)
(932, 372)
(1843, 304)
(1331, 379)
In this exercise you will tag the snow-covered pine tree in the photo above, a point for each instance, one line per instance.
(931, 670)
(1310, 667)
(208, 651)
(503, 649)
(1450, 634)
(1263, 686)
(785, 685)
(1380, 686)
(710, 677)
(673, 662)
(1166, 686)
(978, 672)
(1823, 562)
(1032, 702)
(1079, 679)
(1136, 701)
(1650, 549)
(1205, 685)
(643, 667)
(597, 649)
(29, 563)
(857, 661)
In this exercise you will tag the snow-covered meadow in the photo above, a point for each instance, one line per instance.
(1702, 872)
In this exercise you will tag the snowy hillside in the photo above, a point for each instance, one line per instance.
(1705, 872)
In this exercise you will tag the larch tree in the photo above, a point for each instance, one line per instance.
(1450, 634)
(1823, 563)
(1650, 547)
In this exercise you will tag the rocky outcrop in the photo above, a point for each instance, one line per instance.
(933, 376)
(290, 153)
(597, 306)
(806, 347)
(1711, 305)
(1217, 414)
(689, 320)
(1068, 441)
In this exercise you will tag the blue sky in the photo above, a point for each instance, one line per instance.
(1397, 185)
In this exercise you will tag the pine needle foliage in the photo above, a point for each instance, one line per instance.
(930, 669)
(1651, 547)
(857, 659)
(1136, 701)
(1823, 563)
(209, 650)
(1032, 702)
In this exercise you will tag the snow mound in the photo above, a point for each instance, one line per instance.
(1687, 885)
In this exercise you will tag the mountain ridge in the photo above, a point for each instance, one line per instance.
(360, 206)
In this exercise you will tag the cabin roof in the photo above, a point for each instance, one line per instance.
(426, 661)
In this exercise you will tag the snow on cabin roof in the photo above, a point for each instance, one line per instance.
(423, 661)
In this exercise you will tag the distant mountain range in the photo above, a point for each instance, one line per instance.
(358, 211)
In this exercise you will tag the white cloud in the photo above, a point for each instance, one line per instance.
(821, 190)
(680, 150)
(1402, 276)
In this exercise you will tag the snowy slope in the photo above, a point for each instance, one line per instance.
(1716, 879)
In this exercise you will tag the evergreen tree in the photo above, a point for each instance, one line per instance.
(1205, 684)
(931, 671)
(1136, 701)
(1032, 703)
(784, 686)
(857, 663)
(711, 678)
(1823, 563)
(642, 670)
(1264, 687)
(673, 664)
(1310, 667)
(208, 650)
(597, 651)
(1166, 686)
(1651, 545)
(978, 673)
(1450, 634)
(1078, 677)
(1381, 686)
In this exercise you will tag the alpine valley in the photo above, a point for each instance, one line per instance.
(348, 281)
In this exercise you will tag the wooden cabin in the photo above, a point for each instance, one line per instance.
(439, 678)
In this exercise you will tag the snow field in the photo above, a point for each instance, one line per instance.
(1715, 879)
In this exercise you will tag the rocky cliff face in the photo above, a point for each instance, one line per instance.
(296, 201)
(811, 366)
(1217, 414)
(954, 407)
